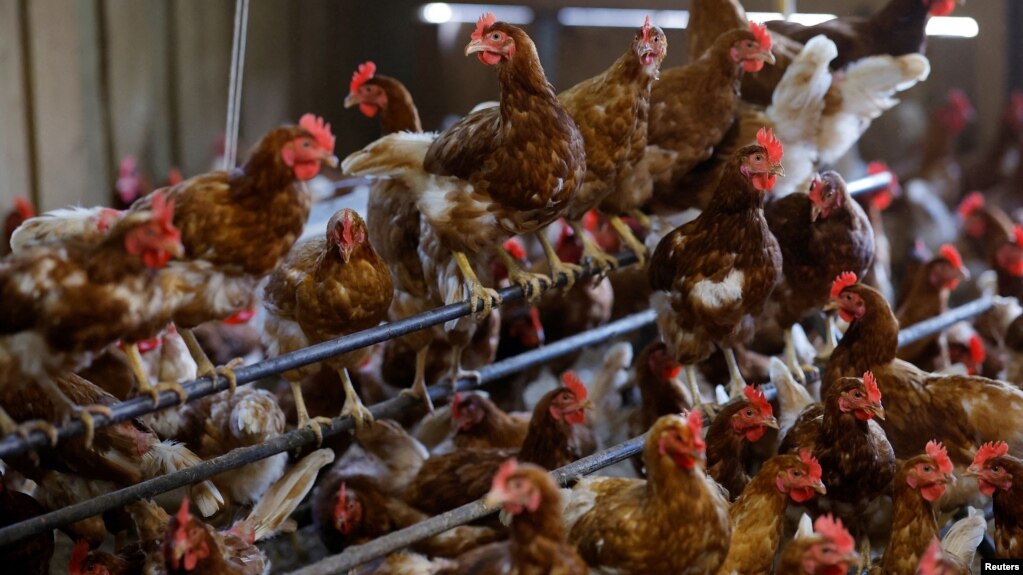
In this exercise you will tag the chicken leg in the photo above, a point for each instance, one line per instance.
(353, 405)
(694, 390)
(313, 423)
(476, 291)
(630, 239)
(558, 267)
(9, 426)
(457, 373)
(131, 351)
(643, 219)
(791, 359)
(204, 367)
(600, 259)
(419, 390)
(830, 338)
(70, 408)
(736, 382)
(532, 284)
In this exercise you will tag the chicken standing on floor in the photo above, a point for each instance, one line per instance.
(675, 521)
(326, 288)
(713, 274)
(500, 171)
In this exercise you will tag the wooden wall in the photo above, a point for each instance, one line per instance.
(84, 82)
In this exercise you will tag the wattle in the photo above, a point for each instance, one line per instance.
(755, 433)
(764, 182)
(489, 58)
(986, 488)
(863, 415)
(846, 316)
(801, 494)
(933, 492)
(752, 65)
(307, 170)
(368, 110)
(575, 417)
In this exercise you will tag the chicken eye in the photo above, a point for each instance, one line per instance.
(997, 469)
(797, 473)
(749, 413)
(927, 468)
(758, 157)
(306, 144)
(495, 36)
(857, 395)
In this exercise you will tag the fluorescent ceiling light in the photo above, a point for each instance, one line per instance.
(956, 26)
(621, 17)
(443, 12)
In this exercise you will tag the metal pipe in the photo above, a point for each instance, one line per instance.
(874, 183)
(15, 444)
(298, 438)
(931, 326)
(381, 546)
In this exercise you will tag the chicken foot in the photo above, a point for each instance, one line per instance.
(791, 360)
(558, 267)
(418, 389)
(71, 409)
(353, 405)
(9, 426)
(313, 423)
(643, 219)
(694, 390)
(532, 284)
(204, 367)
(603, 261)
(142, 380)
(830, 337)
(736, 382)
(630, 239)
(457, 373)
(476, 291)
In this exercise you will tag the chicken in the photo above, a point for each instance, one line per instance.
(895, 29)
(655, 374)
(1000, 476)
(121, 454)
(691, 107)
(758, 515)
(959, 411)
(732, 432)
(359, 498)
(919, 483)
(610, 109)
(130, 185)
(326, 288)
(712, 274)
(478, 423)
(927, 298)
(675, 521)
(220, 213)
(89, 225)
(538, 540)
(456, 478)
(996, 165)
(21, 212)
(30, 556)
(938, 164)
(856, 457)
(985, 229)
(95, 293)
(821, 234)
(392, 216)
(222, 422)
(825, 548)
(477, 183)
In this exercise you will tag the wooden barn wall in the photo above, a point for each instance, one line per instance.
(84, 82)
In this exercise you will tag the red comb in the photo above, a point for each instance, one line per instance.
(646, 28)
(844, 280)
(591, 220)
(146, 345)
(319, 130)
(514, 247)
(950, 253)
(163, 210)
(765, 137)
(812, 466)
(127, 166)
(486, 21)
(938, 452)
(883, 199)
(240, 317)
(756, 397)
(959, 101)
(762, 35)
(873, 392)
(182, 514)
(973, 201)
(456, 405)
(989, 450)
(365, 72)
(1018, 234)
(534, 319)
(694, 419)
(572, 382)
(24, 208)
(78, 555)
(977, 351)
(174, 176)
(341, 507)
(832, 528)
(503, 473)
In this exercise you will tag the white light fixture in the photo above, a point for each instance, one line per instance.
(443, 12)
(621, 17)
(955, 26)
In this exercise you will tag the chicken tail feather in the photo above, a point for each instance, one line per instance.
(272, 511)
(965, 536)
(168, 457)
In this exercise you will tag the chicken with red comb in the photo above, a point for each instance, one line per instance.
(1000, 476)
(825, 548)
(713, 275)
(731, 436)
(478, 183)
(20, 212)
(927, 298)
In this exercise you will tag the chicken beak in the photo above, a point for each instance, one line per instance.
(330, 159)
(830, 306)
(771, 422)
(777, 170)
(950, 479)
(493, 499)
(851, 557)
(352, 100)
(964, 273)
(818, 486)
(767, 56)
(177, 250)
(878, 411)
(972, 471)
(815, 212)
(346, 254)
(474, 46)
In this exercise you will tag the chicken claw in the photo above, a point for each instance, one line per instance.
(643, 219)
(476, 290)
(85, 413)
(558, 267)
(532, 284)
(25, 429)
(313, 423)
(630, 239)
(419, 390)
(601, 261)
(353, 405)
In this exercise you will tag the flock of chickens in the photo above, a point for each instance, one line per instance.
(707, 172)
